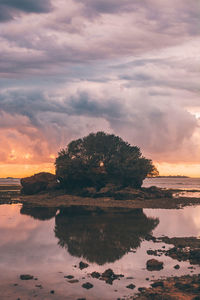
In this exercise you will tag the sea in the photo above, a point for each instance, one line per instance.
(181, 183)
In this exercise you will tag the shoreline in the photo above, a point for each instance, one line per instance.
(66, 200)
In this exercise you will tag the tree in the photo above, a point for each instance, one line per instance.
(101, 158)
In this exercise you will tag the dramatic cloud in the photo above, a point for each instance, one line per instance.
(71, 67)
(9, 9)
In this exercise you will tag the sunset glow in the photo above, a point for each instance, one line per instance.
(125, 67)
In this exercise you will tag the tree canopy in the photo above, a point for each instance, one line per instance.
(99, 159)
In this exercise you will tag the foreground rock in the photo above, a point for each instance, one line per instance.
(87, 285)
(185, 288)
(26, 277)
(83, 265)
(108, 276)
(128, 193)
(184, 249)
(154, 265)
(39, 182)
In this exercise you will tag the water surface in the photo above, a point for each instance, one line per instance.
(50, 243)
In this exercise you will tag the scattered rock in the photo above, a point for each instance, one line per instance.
(177, 267)
(157, 284)
(95, 274)
(83, 265)
(69, 276)
(73, 281)
(87, 285)
(152, 252)
(183, 286)
(141, 289)
(154, 265)
(108, 273)
(109, 276)
(26, 277)
(130, 286)
(150, 237)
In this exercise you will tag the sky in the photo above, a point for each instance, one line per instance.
(71, 67)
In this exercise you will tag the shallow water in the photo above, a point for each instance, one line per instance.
(49, 243)
(190, 186)
(173, 183)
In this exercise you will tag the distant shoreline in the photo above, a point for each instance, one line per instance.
(171, 176)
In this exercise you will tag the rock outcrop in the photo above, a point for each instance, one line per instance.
(39, 182)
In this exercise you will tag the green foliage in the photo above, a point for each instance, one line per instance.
(101, 158)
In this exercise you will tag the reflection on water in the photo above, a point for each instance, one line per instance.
(102, 237)
(30, 246)
(39, 213)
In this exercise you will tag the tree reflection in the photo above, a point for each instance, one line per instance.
(39, 213)
(101, 237)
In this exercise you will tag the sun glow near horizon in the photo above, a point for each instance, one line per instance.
(165, 169)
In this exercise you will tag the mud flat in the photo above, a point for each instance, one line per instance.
(64, 200)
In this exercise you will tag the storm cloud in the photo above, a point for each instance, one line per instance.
(126, 67)
(9, 9)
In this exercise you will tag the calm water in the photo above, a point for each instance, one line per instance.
(49, 243)
(9, 181)
(191, 186)
(174, 183)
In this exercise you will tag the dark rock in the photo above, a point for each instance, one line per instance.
(177, 267)
(152, 252)
(37, 183)
(130, 277)
(157, 284)
(196, 298)
(95, 274)
(150, 237)
(194, 256)
(52, 292)
(81, 299)
(26, 277)
(73, 281)
(154, 265)
(130, 286)
(109, 276)
(108, 273)
(109, 281)
(83, 265)
(87, 285)
(69, 276)
(141, 289)
(183, 286)
(155, 192)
